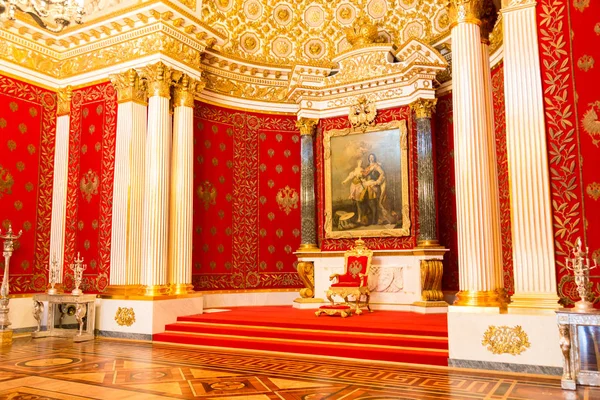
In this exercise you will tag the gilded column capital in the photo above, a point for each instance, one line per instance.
(64, 101)
(129, 87)
(307, 126)
(465, 11)
(423, 108)
(517, 4)
(160, 78)
(186, 90)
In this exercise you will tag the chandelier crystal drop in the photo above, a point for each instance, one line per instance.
(53, 15)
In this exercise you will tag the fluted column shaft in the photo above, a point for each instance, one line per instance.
(532, 238)
(477, 210)
(59, 185)
(427, 210)
(125, 252)
(157, 182)
(307, 188)
(182, 192)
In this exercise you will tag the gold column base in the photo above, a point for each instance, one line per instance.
(308, 300)
(308, 248)
(427, 304)
(124, 290)
(491, 298)
(545, 301)
(177, 289)
(155, 290)
(6, 337)
(428, 243)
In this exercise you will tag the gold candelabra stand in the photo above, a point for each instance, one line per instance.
(53, 275)
(580, 265)
(78, 269)
(9, 246)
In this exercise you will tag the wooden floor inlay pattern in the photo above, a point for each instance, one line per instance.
(112, 370)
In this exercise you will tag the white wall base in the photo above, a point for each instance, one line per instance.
(150, 316)
(219, 300)
(466, 327)
(20, 314)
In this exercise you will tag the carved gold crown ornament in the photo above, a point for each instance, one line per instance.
(363, 32)
(53, 15)
(580, 265)
(362, 114)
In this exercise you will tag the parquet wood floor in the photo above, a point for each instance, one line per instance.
(113, 370)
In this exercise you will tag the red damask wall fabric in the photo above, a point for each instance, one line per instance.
(375, 243)
(90, 184)
(246, 200)
(571, 111)
(503, 182)
(27, 132)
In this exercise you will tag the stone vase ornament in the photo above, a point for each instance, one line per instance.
(78, 267)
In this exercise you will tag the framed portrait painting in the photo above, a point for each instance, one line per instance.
(367, 181)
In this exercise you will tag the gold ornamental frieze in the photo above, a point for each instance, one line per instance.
(505, 340)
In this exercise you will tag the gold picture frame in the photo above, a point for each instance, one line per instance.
(367, 181)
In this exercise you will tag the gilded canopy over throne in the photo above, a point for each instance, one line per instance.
(354, 281)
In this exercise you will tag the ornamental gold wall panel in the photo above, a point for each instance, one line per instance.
(246, 202)
(27, 132)
(90, 184)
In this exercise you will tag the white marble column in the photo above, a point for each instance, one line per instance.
(59, 185)
(125, 257)
(155, 225)
(532, 237)
(477, 209)
(182, 190)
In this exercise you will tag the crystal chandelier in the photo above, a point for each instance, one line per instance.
(53, 15)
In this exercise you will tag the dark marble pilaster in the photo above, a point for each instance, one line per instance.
(307, 189)
(425, 174)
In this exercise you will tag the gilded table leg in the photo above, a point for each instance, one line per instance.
(567, 381)
(38, 310)
(80, 313)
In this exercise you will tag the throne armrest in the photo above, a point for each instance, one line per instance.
(334, 276)
(363, 279)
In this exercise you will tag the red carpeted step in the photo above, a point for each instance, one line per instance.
(310, 335)
(365, 352)
(392, 322)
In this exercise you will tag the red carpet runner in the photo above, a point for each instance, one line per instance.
(381, 335)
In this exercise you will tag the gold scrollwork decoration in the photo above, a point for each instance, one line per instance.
(287, 199)
(306, 271)
(431, 280)
(125, 316)
(506, 340)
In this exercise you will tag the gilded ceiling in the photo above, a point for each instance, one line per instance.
(309, 31)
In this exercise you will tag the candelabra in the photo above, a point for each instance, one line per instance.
(78, 269)
(580, 265)
(52, 275)
(9, 238)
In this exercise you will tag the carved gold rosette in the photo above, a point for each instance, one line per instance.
(423, 108)
(64, 101)
(307, 126)
(505, 339)
(125, 316)
(129, 87)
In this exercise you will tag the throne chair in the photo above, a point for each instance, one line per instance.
(353, 282)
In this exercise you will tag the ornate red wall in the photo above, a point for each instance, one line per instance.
(572, 109)
(27, 132)
(376, 243)
(90, 184)
(246, 200)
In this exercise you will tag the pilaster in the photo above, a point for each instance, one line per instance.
(307, 128)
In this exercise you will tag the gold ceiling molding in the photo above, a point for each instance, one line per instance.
(298, 31)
